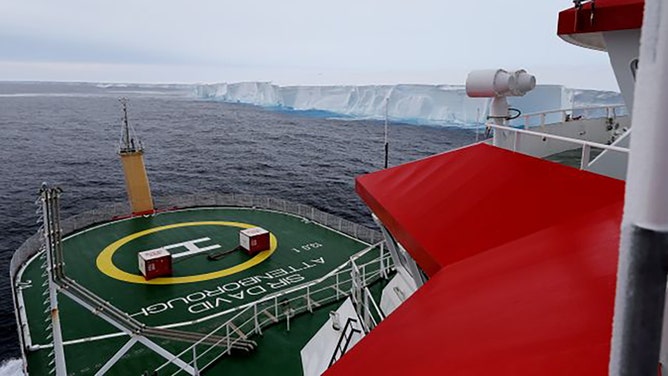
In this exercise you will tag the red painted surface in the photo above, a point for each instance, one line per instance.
(258, 243)
(609, 15)
(452, 206)
(522, 258)
(158, 267)
(538, 305)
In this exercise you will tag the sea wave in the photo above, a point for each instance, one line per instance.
(11, 367)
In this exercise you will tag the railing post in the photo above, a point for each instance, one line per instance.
(584, 158)
(308, 298)
(336, 285)
(367, 312)
(195, 360)
(276, 306)
(257, 325)
(227, 336)
(542, 119)
(526, 122)
(516, 140)
(381, 268)
(363, 275)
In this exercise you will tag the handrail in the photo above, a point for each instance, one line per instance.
(89, 218)
(371, 276)
(331, 221)
(348, 335)
(586, 145)
(273, 300)
(379, 312)
(611, 112)
(601, 107)
(30, 249)
(240, 310)
(278, 294)
(559, 138)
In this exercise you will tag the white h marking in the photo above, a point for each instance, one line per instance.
(191, 247)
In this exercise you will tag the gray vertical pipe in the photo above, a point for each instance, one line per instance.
(639, 302)
(643, 265)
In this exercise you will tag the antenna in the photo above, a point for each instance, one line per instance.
(387, 144)
(127, 144)
(132, 158)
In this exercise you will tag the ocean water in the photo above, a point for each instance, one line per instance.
(67, 134)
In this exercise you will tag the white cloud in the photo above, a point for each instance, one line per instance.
(373, 37)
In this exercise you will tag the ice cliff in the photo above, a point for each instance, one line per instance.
(416, 104)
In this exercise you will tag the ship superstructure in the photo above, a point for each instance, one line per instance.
(519, 256)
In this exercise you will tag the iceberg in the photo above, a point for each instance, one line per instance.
(445, 105)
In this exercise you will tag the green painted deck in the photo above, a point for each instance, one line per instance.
(304, 251)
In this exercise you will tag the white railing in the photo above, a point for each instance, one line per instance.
(86, 219)
(586, 145)
(120, 210)
(363, 300)
(576, 113)
(251, 318)
(260, 202)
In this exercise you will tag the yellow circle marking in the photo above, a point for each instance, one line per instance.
(106, 265)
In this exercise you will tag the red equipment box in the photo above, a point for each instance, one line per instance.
(254, 240)
(155, 263)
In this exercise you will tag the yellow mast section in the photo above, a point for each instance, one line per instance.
(132, 158)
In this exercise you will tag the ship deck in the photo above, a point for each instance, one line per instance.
(199, 296)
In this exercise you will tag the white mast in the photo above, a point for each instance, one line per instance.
(643, 257)
(53, 248)
(387, 145)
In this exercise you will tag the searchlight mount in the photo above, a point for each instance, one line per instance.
(499, 84)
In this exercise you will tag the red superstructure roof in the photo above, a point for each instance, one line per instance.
(455, 205)
(583, 26)
(541, 305)
(522, 258)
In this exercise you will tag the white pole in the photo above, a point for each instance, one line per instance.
(195, 361)
(387, 145)
(477, 119)
(643, 261)
(647, 181)
(48, 200)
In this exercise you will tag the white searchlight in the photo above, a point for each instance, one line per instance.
(499, 84)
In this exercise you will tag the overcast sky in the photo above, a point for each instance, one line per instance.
(290, 41)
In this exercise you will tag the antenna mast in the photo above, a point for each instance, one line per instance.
(132, 158)
(128, 144)
(387, 145)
